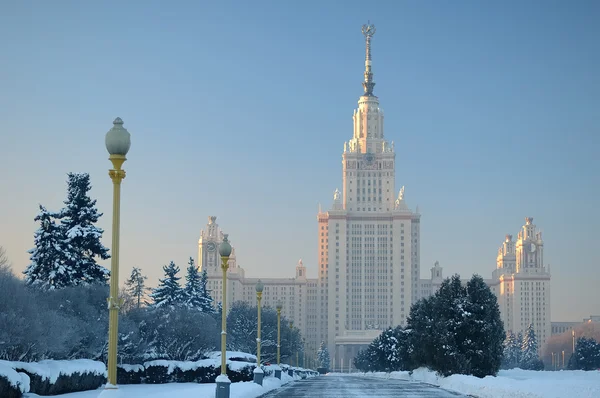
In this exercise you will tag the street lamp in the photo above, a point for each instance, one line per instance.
(278, 368)
(290, 370)
(118, 142)
(304, 353)
(573, 332)
(223, 382)
(258, 373)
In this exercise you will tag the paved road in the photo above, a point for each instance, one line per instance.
(354, 387)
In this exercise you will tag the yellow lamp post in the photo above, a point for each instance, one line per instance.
(223, 382)
(278, 368)
(118, 142)
(290, 370)
(258, 372)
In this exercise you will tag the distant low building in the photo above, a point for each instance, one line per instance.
(562, 327)
(297, 295)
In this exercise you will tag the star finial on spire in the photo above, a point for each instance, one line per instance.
(368, 31)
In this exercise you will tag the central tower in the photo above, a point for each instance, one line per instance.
(369, 240)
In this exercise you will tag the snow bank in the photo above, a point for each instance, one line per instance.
(232, 354)
(186, 390)
(194, 365)
(51, 369)
(16, 379)
(131, 368)
(514, 383)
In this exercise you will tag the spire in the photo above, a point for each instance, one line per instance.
(368, 30)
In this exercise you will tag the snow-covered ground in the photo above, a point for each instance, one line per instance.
(514, 383)
(181, 390)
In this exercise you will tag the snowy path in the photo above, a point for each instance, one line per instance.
(332, 386)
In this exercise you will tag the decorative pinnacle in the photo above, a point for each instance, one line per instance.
(118, 121)
(368, 30)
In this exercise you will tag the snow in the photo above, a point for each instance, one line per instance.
(51, 369)
(193, 365)
(223, 379)
(132, 368)
(514, 383)
(181, 390)
(232, 354)
(16, 379)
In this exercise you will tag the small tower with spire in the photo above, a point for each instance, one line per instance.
(300, 271)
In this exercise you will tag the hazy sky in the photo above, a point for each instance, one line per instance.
(240, 110)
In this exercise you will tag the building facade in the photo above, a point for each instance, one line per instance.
(369, 255)
(369, 240)
(521, 282)
(292, 293)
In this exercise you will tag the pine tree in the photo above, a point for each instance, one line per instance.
(389, 352)
(81, 238)
(207, 300)
(193, 289)
(586, 356)
(482, 324)
(530, 359)
(168, 293)
(47, 269)
(512, 351)
(323, 356)
(136, 285)
(457, 330)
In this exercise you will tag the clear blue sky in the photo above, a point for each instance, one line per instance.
(240, 110)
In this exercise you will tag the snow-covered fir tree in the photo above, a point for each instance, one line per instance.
(323, 356)
(81, 238)
(512, 351)
(207, 300)
(135, 286)
(484, 330)
(586, 356)
(47, 269)
(529, 351)
(193, 288)
(168, 292)
(457, 330)
(389, 352)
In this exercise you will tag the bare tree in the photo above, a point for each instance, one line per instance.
(4, 262)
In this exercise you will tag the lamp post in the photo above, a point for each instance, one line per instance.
(223, 382)
(278, 368)
(258, 372)
(563, 355)
(304, 353)
(290, 370)
(118, 142)
(573, 332)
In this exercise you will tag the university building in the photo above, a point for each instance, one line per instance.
(369, 254)
(521, 282)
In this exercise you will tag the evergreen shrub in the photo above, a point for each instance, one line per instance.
(64, 384)
(7, 390)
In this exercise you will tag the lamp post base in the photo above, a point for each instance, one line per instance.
(223, 386)
(290, 372)
(278, 373)
(258, 375)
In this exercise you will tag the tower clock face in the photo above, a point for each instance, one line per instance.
(369, 157)
(211, 247)
(532, 248)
